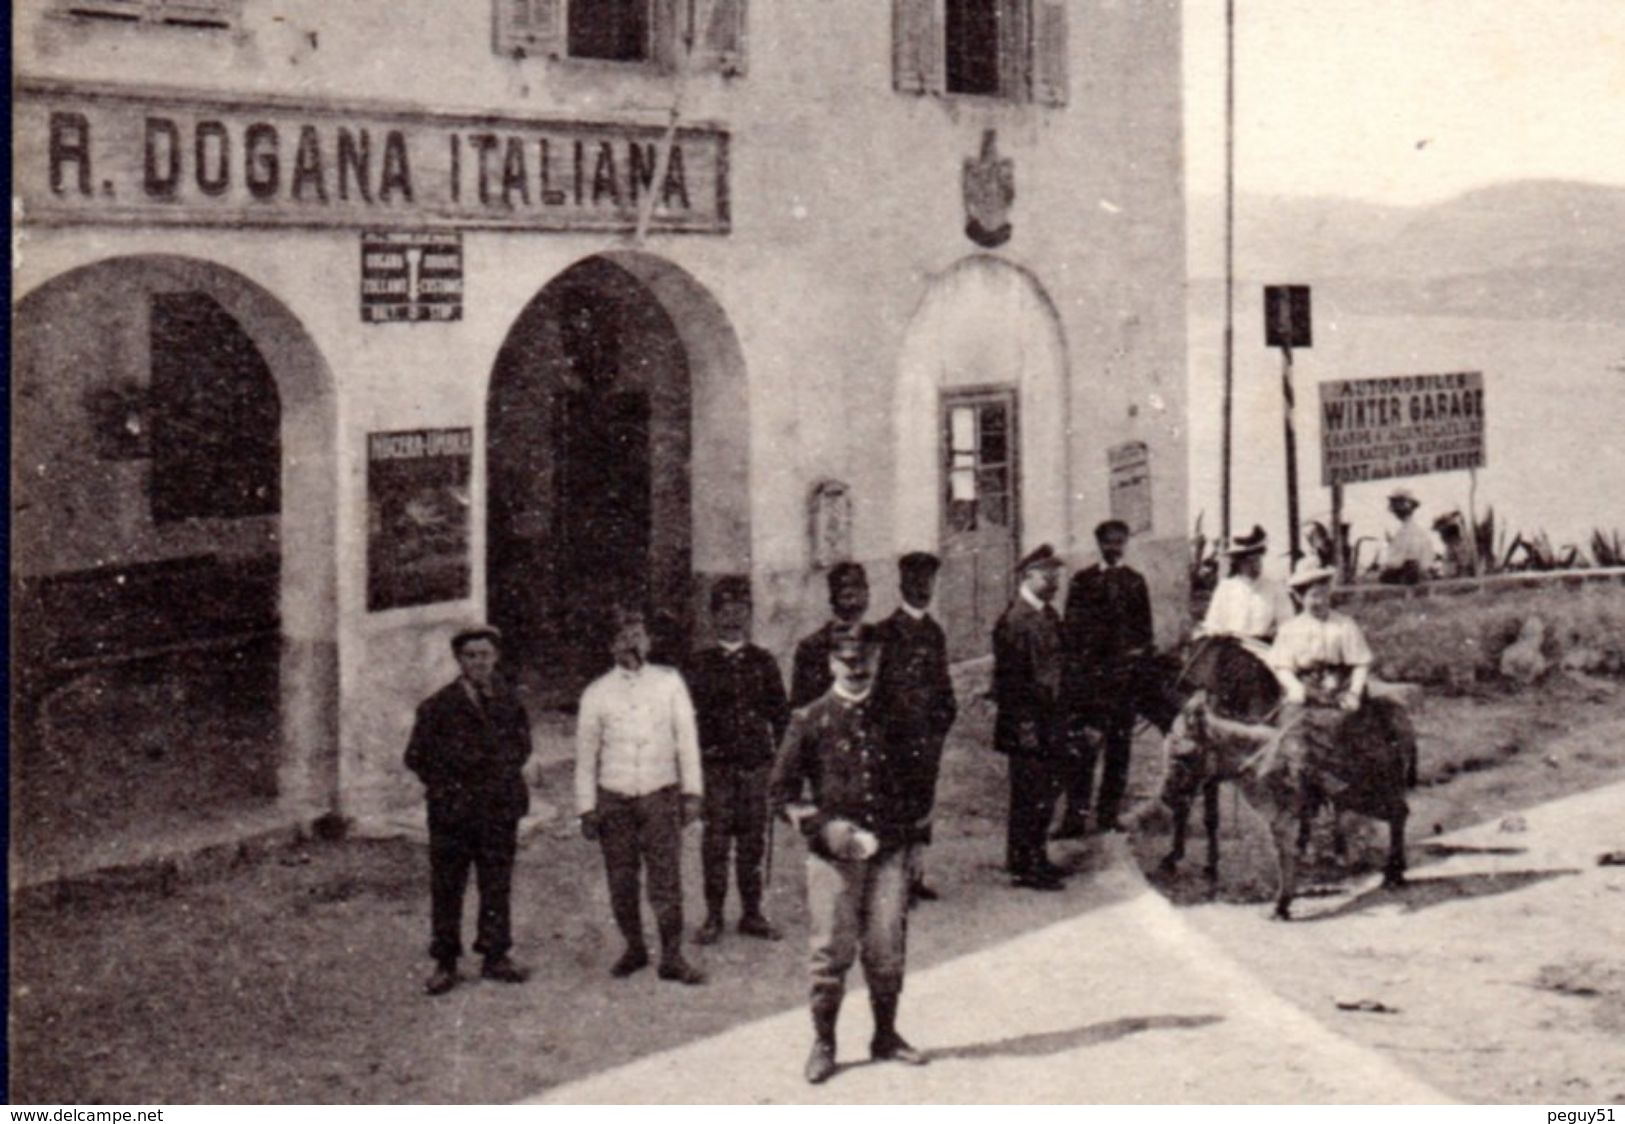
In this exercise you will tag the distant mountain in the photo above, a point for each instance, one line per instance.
(1545, 249)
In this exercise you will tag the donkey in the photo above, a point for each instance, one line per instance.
(1367, 772)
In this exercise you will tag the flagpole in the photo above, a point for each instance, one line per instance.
(1229, 258)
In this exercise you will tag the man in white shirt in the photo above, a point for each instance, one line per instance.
(1247, 605)
(638, 783)
(1410, 553)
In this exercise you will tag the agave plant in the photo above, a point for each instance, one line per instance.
(1607, 550)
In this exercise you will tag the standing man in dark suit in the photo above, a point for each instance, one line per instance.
(742, 712)
(916, 695)
(468, 744)
(848, 600)
(1108, 635)
(1027, 666)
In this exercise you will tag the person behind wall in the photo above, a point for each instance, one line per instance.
(916, 696)
(638, 783)
(855, 799)
(1107, 632)
(469, 742)
(1029, 727)
(1409, 554)
(742, 712)
(848, 602)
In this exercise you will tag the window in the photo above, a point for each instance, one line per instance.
(629, 31)
(1011, 49)
(209, 15)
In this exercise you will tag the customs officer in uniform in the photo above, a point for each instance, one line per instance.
(856, 800)
(848, 601)
(739, 700)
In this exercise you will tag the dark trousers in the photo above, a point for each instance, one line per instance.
(643, 834)
(489, 847)
(1034, 788)
(735, 820)
(1112, 731)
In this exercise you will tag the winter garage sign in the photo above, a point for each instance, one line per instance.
(1405, 425)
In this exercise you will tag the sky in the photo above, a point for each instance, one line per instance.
(1406, 101)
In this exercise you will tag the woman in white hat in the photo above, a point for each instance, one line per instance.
(1247, 605)
(1320, 657)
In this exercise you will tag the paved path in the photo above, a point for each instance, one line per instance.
(1122, 1004)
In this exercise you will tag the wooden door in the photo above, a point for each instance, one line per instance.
(980, 516)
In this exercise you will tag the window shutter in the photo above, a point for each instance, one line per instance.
(529, 27)
(1050, 52)
(917, 46)
(1015, 47)
(720, 44)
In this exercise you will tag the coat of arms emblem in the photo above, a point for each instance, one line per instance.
(990, 187)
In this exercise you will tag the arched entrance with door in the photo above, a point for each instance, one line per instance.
(173, 574)
(980, 426)
(617, 466)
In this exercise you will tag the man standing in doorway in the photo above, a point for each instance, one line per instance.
(848, 601)
(468, 744)
(840, 781)
(638, 783)
(1108, 636)
(916, 695)
(1027, 666)
(739, 700)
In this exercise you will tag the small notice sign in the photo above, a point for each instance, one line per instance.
(1286, 316)
(1130, 465)
(417, 516)
(409, 276)
(1406, 425)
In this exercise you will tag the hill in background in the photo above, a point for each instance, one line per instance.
(1532, 249)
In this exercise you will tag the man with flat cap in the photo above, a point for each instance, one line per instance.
(469, 741)
(855, 800)
(848, 601)
(916, 694)
(1108, 636)
(638, 784)
(739, 701)
(1027, 671)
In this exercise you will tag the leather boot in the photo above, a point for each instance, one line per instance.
(826, 1009)
(887, 1044)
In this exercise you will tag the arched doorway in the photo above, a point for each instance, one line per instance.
(980, 426)
(173, 576)
(617, 397)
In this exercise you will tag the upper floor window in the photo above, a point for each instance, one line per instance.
(1011, 49)
(711, 33)
(214, 15)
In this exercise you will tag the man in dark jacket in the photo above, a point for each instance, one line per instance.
(742, 712)
(1027, 667)
(848, 600)
(916, 695)
(468, 744)
(1108, 637)
(856, 802)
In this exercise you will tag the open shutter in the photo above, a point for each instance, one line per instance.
(917, 46)
(719, 41)
(529, 27)
(1050, 52)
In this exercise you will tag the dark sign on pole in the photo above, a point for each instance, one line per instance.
(410, 276)
(1286, 316)
(417, 516)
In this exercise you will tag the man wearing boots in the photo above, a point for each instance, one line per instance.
(638, 783)
(1107, 632)
(468, 743)
(739, 700)
(848, 601)
(916, 695)
(840, 782)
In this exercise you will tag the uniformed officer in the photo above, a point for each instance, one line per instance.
(856, 803)
(848, 602)
(742, 712)
(1027, 669)
(916, 693)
